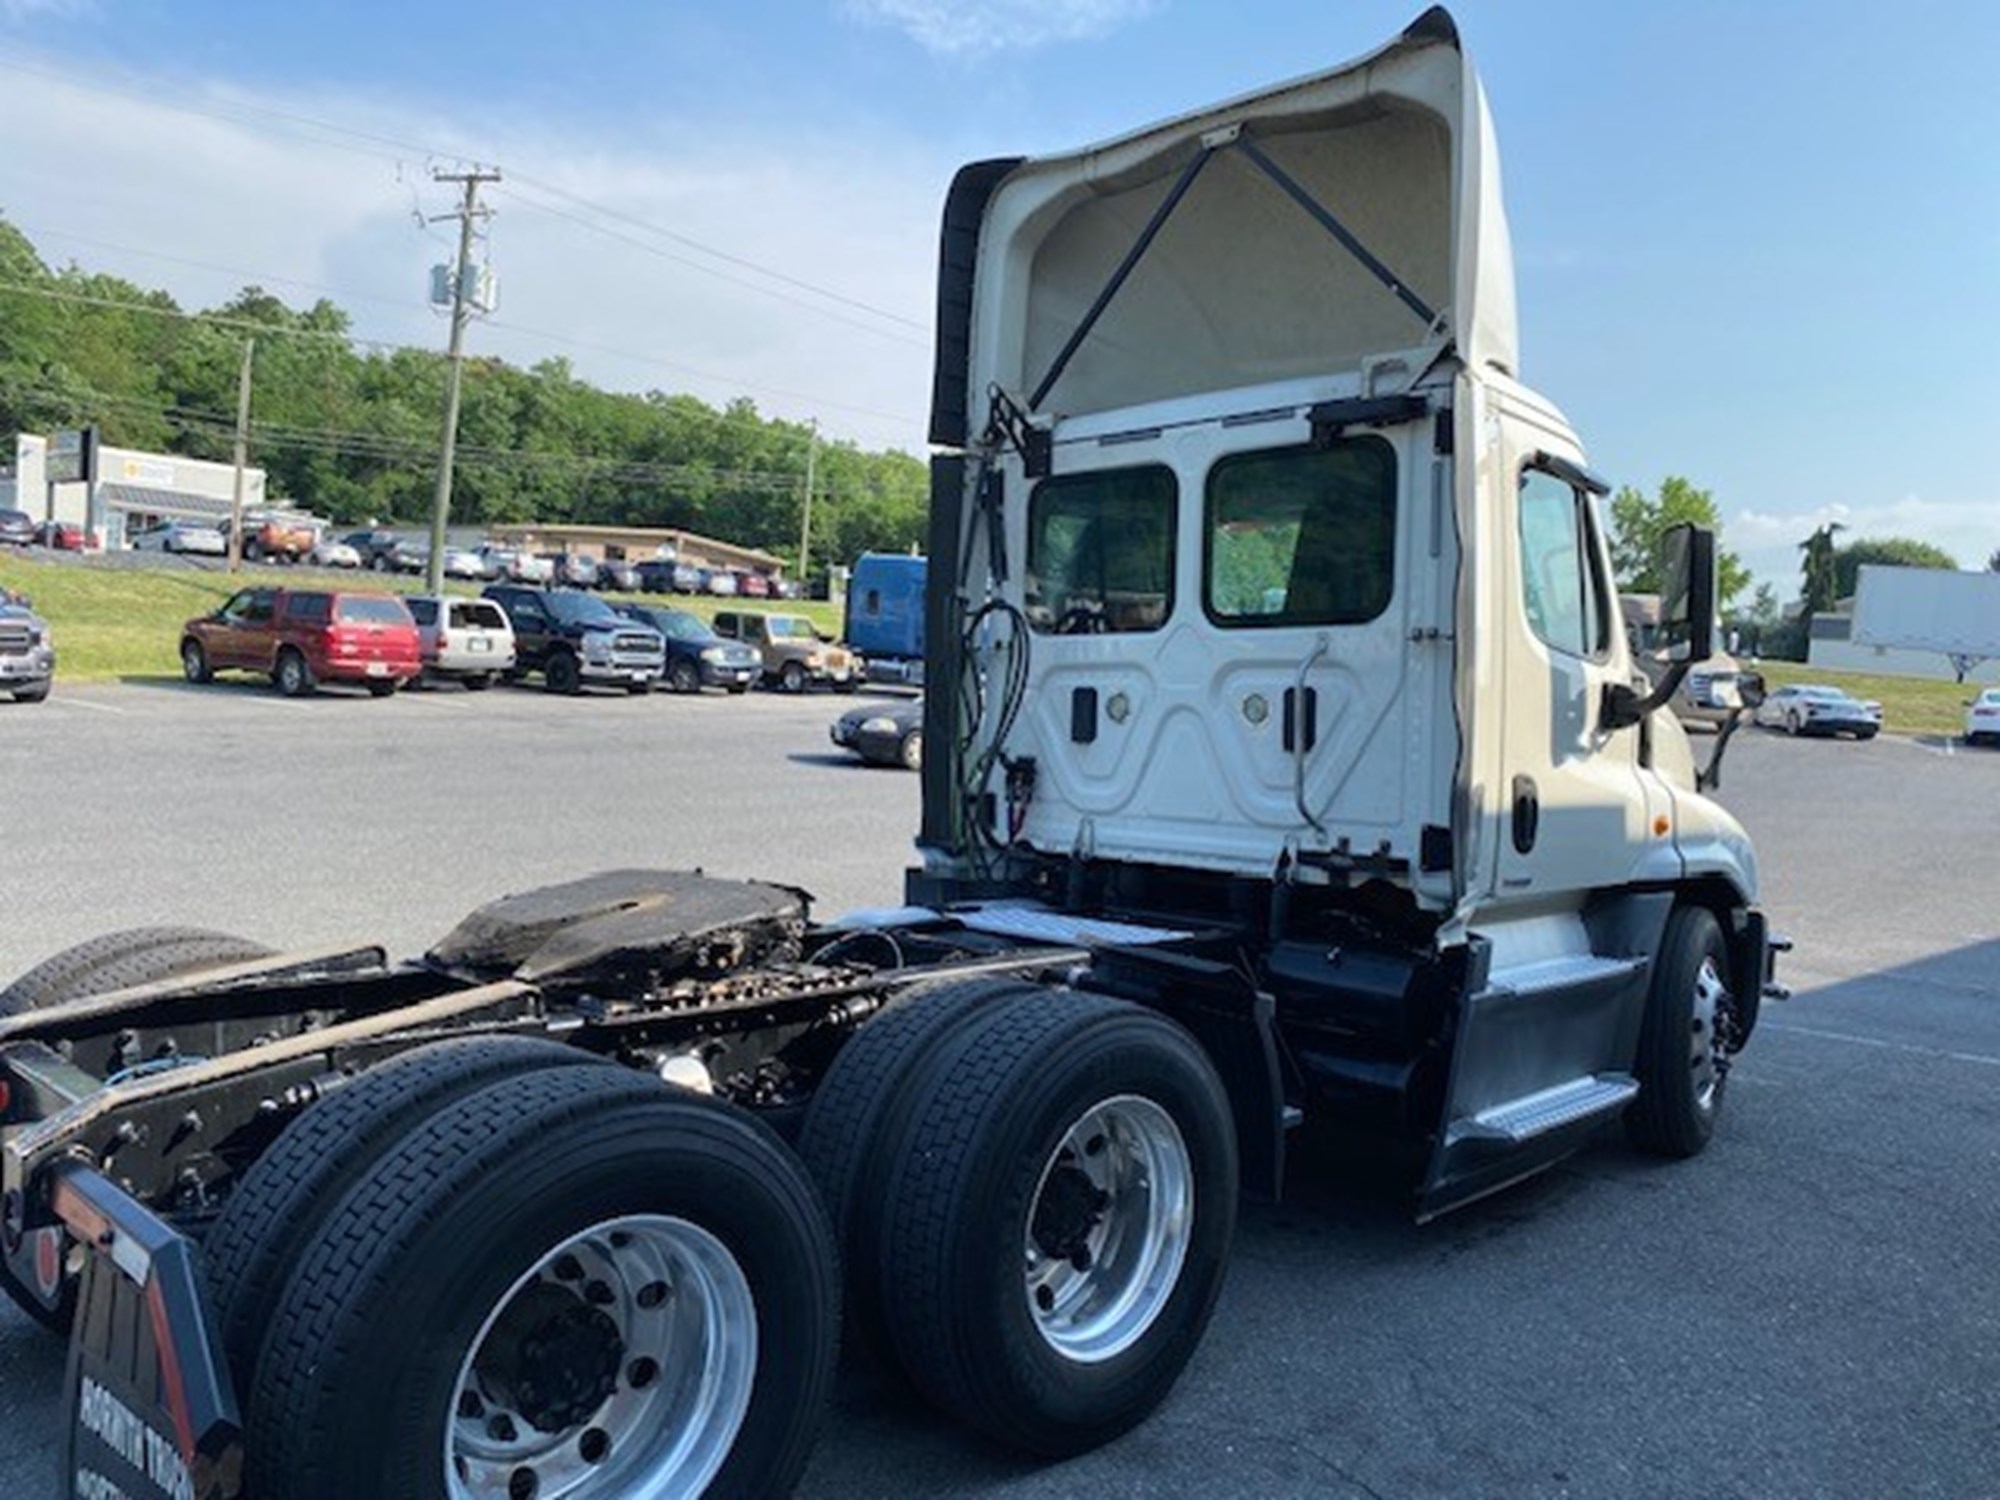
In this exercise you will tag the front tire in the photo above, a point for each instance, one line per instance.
(911, 752)
(1683, 1050)
(194, 662)
(1058, 1219)
(684, 676)
(36, 694)
(576, 1282)
(792, 678)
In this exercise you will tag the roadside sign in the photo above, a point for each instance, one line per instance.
(73, 456)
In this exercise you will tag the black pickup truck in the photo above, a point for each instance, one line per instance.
(573, 638)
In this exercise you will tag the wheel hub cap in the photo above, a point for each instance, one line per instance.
(1109, 1229)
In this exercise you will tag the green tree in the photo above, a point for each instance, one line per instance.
(1821, 590)
(1895, 551)
(1638, 521)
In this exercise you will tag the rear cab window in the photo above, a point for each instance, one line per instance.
(1301, 536)
(1101, 551)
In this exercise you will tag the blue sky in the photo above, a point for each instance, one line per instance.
(1759, 244)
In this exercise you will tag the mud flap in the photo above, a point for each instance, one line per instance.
(149, 1410)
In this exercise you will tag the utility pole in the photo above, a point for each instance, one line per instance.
(461, 313)
(242, 456)
(806, 513)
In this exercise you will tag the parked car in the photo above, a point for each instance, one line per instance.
(573, 638)
(1803, 708)
(196, 538)
(884, 734)
(696, 656)
(374, 546)
(720, 582)
(409, 557)
(795, 655)
(689, 579)
(512, 565)
(1982, 718)
(467, 640)
(17, 528)
(27, 650)
(571, 570)
(328, 553)
(64, 536)
(270, 538)
(460, 563)
(618, 576)
(655, 575)
(302, 637)
(753, 585)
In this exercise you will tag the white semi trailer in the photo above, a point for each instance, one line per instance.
(1954, 614)
(1286, 765)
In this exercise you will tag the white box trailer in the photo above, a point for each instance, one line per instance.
(1928, 609)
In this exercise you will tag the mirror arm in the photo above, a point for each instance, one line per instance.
(1621, 707)
(1710, 776)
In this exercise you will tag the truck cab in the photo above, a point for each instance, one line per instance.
(1286, 606)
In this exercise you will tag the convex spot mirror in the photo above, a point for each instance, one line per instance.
(1687, 592)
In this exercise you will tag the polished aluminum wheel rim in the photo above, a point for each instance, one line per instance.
(670, 1303)
(1704, 1040)
(1108, 1229)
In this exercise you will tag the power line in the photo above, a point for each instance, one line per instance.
(220, 320)
(681, 260)
(319, 131)
(722, 255)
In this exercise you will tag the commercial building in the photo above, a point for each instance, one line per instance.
(636, 544)
(128, 491)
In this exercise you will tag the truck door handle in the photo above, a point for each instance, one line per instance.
(1083, 715)
(1301, 727)
(1527, 814)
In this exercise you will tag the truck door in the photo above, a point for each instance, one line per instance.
(1576, 814)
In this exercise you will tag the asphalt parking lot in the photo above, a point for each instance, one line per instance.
(1810, 1309)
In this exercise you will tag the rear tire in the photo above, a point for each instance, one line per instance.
(295, 1185)
(382, 689)
(293, 677)
(1680, 1051)
(1096, 1134)
(479, 682)
(116, 961)
(518, 1216)
(861, 1101)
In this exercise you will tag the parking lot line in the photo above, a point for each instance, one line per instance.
(1869, 1041)
(96, 708)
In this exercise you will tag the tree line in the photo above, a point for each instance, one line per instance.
(351, 432)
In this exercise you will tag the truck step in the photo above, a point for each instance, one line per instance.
(1550, 1109)
(1565, 972)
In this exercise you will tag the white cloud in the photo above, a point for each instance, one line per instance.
(14, 12)
(1768, 540)
(971, 27)
(858, 216)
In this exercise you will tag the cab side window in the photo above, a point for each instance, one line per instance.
(1562, 590)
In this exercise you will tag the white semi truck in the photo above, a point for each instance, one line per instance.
(1286, 765)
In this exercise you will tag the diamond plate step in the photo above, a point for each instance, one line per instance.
(1537, 1114)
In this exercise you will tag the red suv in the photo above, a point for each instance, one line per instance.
(302, 637)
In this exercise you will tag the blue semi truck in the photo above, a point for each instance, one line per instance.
(885, 616)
